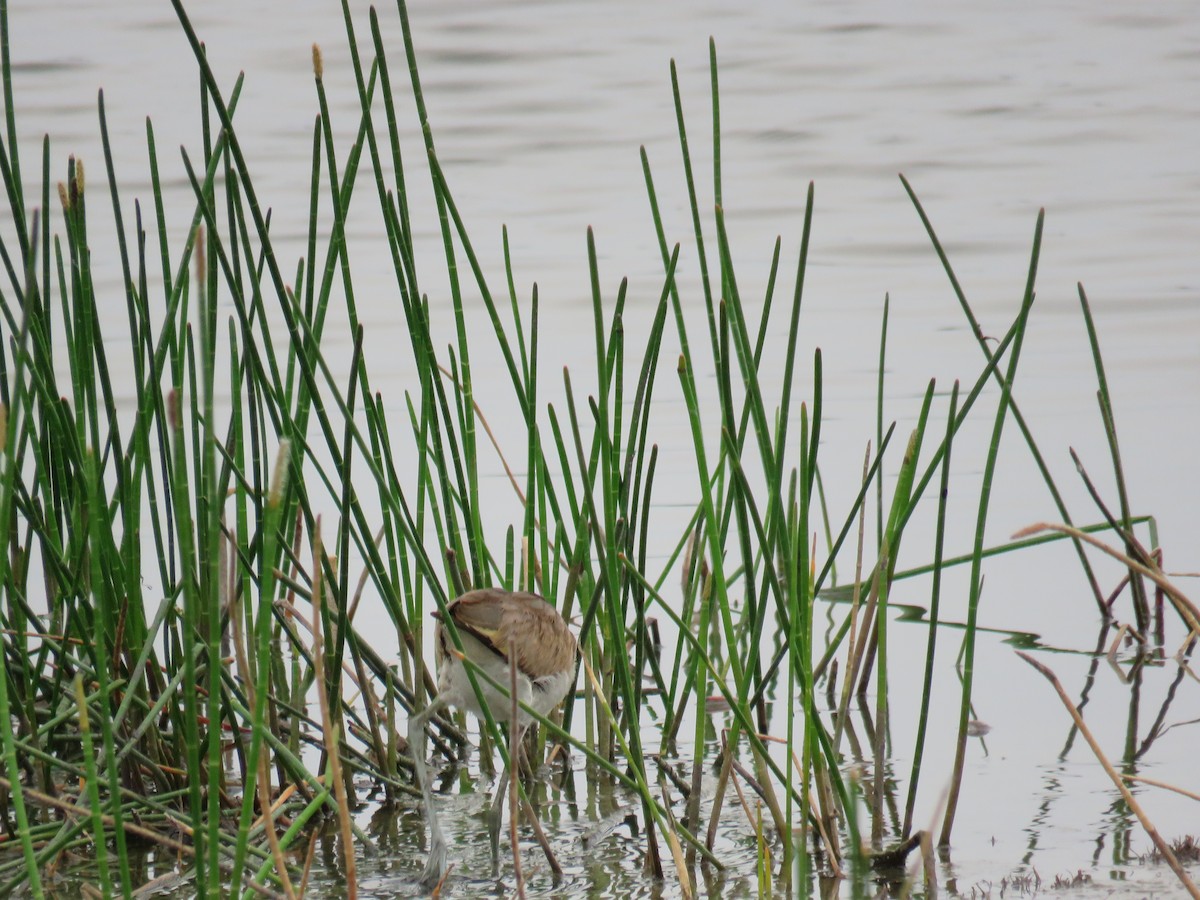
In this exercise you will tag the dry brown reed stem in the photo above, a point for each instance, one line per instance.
(770, 797)
(858, 669)
(1154, 782)
(878, 766)
(263, 774)
(294, 616)
(147, 834)
(1186, 609)
(69, 808)
(540, 836)
(762, 787)
(514, 732)
(827, 822)
(278, 803)
(718, 801)
(828, 836)
(750, 817)
(331, 735)
(927, 862)
(1113, 774)
(852, 658)
(512, 478)
(1114, 647)
(362, 580)
(764, 848)
(309, 855)
(685, 879)
(685, 884)
(927, 865)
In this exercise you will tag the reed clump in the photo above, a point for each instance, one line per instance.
(184, 671)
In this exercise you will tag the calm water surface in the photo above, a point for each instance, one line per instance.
(992, 110)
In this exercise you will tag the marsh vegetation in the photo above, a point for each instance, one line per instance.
(192, 699)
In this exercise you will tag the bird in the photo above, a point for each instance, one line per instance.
(496, 627)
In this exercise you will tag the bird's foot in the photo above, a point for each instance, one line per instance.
(435, 865)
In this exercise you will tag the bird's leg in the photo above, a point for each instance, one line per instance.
(435, 866)
(495, 812)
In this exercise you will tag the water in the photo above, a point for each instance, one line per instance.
(991, 110)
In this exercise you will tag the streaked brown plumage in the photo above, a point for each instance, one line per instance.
(494, 625)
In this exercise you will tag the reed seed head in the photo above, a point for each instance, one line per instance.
(318, 64)
(279, 476)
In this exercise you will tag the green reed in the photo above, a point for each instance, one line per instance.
(188, 704)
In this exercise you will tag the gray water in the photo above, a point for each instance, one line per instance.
(992, 110)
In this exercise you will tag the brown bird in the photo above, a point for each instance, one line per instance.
(496, 627)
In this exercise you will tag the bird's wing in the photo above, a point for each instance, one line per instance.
(546, 646)
(481, 615)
